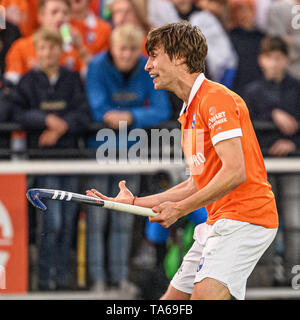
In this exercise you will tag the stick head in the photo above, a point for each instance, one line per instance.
(33, 197)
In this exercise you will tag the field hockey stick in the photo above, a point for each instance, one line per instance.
(34, 196)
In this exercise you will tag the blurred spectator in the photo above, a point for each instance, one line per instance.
(261, 13)
(119, 89)
(7, 37)
(21, 57)
(50, 103)
(275, 97)
(246, 39)
(130, 12)
(94, 32)
(219, 8)
(221, 58)
(283, 22)
(23, 14)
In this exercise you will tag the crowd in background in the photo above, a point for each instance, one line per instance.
(65, 64)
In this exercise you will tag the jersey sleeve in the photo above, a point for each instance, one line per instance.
(14, 68)
(222, 115)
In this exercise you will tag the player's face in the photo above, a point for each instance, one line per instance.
(54, 14)
(161, 69)
(125, 56)
(273, 64)
(48, 54)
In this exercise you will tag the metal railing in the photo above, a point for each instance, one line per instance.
(82, 151)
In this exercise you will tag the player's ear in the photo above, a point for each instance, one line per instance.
(180, 61)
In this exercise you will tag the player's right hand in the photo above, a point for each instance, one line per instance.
(124, 196)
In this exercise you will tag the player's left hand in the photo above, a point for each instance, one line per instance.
(168, 214)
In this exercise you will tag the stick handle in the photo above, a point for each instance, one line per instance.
(141, 211)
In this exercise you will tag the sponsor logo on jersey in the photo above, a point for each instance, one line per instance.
(216, 119)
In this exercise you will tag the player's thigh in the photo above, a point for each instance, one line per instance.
(174, 294)
(184, 278)
(210, 289)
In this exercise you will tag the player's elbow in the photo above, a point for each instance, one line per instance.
(239, 176)
(236, 175)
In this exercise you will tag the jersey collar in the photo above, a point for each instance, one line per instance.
(196, 86)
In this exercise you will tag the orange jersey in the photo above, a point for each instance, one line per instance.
(23, 14)
(94, 31)
(214, 114)
(21, 58)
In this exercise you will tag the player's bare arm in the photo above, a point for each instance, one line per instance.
(229, 177)
(176, 193)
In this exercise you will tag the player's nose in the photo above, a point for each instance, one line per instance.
(148, 65)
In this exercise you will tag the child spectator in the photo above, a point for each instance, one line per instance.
(119, 89)
(94, 31)
(246, 40)
(275, 97)
(50, 103)
(22, 55)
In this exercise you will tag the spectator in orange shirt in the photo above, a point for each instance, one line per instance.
(21, 57)
(94, 32)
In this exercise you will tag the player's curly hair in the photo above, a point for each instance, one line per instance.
(180, 40)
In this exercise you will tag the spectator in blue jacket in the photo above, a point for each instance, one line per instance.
(119, 89)
(51, 104)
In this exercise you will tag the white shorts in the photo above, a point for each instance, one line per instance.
(226, 251)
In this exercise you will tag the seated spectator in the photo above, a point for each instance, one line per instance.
(275, 97)
(219, 8)
(280, 23)
(94, 32)
(221, 59)
(246, 40)
(7, 37)
(119, 89)
(21, 57)
(50, 103)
